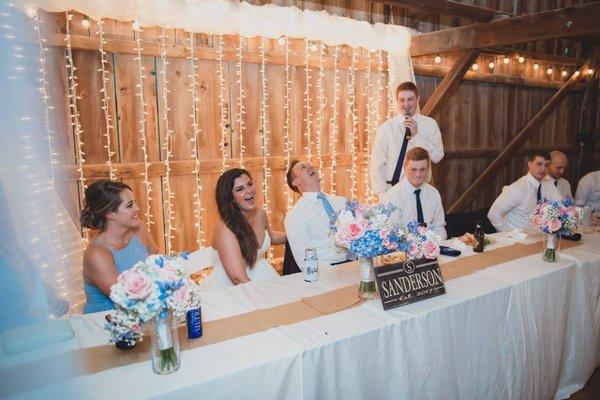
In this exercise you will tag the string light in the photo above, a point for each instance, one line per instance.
(44, 93)
(241, 108)
(536, 66)
(564, 73)
(142, 121)
(506, 60)
(390, 96)
(576, 73)
(167, 145)
(368, 125)
(521, 60)
(31, 12)
(590, 71)
(377, 112)
(351, 109)
(322, 101)
(437, 59)
(222, 92)
(286, 126)
(195, 146)
(549, 71)
(264, 131)
(74, 115)
(475, 66)
(334, 123)
(491, 65)
(308, 119)
(105, 100)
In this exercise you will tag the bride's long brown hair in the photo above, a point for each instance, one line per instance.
(232, 215)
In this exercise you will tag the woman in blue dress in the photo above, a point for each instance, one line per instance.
(122, 241)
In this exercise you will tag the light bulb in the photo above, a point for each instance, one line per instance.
(536, 66)
(590, 71)
(475, 67)
(491, 65)
(521, 59)
(31, 12)
(281, 41)
(576, 73)
(549, 71)
(135, 26)
(85, 23)
(437, 59)
(506, 60)
(564, 73)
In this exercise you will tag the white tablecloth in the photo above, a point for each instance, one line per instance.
(520, 330)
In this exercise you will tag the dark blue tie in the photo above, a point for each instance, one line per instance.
(398, 169)
(420, 218)
(539, 193)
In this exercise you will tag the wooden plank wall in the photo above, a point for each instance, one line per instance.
(476, 121)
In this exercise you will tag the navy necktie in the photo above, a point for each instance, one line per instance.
(420, 218)
(398, 169)
(539, 193)
(556, 182)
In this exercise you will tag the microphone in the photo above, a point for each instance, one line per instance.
(407, 133)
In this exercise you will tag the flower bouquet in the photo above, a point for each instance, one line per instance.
(153, 291)
(554, 218)
(420, 242)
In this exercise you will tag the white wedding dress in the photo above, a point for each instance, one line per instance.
(262, 269)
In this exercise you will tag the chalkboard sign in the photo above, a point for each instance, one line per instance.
(409, 281)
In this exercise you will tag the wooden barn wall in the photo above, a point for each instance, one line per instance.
(476, 121)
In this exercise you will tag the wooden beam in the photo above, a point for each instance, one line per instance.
(445, 7)
(450, 82)
(490, 172)
(562, 22)
(442, 71)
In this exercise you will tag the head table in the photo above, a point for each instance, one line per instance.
(523, 329)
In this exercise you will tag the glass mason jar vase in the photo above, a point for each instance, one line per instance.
(165, 344)
(551, 247)
(367, 288)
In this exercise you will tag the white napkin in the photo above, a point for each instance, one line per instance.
(457, 244)
(517, 234)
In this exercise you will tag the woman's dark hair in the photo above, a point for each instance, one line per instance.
(101, 197)
(232, 215)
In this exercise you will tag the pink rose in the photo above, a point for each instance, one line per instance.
(166, 274)
(421, 230)
(355, 231)
(536, 221)
(554, 224)
(432, 250)
(183, 294)
(137, 286)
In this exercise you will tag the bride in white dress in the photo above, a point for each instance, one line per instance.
(242, 235)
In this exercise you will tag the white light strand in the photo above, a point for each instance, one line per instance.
(368, 127)
(74, 116)
(142, 121)
(390, 99)
(351, 109)
(167, 146)
(44, 93)
(241, 108)
(105, 100)
(222, 92)
(264, 130)
(194, 140)
(334, 121)
(322, 102)
(308, 118)
(286, 126)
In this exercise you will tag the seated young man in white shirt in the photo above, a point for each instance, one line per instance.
(588, 191)
(307, 224)
(415, 199)
(397, 135)
(556, 173)
(513, 208)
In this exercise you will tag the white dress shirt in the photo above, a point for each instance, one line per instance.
(513, 208)
(388, 143)
(307, 227)
(563, 185)
(403, 196)
(588, 191)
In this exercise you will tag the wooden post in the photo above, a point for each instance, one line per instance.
(473, 190)
(450, 82)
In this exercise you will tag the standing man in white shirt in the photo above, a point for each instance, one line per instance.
(307, 224)
(415, 199)
(517, 201)
(556, 173)
(588, 191)
(399, 134)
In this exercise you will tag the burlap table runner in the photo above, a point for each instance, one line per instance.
(96, 359)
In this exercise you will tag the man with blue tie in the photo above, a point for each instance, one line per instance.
(307, 224)
(415, 199)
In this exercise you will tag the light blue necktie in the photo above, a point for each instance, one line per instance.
(328, 209)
